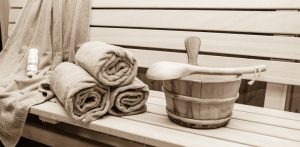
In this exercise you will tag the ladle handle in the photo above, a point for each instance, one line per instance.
(192, 45)
(227, 71)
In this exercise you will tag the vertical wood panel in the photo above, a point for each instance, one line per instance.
(295, 101)
(4, 14)
(276, 96)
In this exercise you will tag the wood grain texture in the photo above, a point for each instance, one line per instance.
(295, 102)
(189, 4)
(249, 95)
(276, 22)
(254, 139)
(199, 4)
(171, 70)
(192, 46)
(245, 108)
(235, 44)
(244, 114)
(277, 72)
(4, 19)
(208, 104)
(257, 129)
(272, 22)
(53, 137)
(275, 96)
(132, 130)
(235, 130)
(97, 136)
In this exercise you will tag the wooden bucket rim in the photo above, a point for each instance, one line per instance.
(199, 100)
(222, 79)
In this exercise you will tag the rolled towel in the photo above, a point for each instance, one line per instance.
(129, 99)
(110, 65)
(83, 97)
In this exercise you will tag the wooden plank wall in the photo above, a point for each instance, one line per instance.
(222, 39)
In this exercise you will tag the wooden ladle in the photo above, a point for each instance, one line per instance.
(192, 46)
(172, 70)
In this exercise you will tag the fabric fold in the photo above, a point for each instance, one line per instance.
(56, 28)
(83, 97)
(110, 65)
(129, 99)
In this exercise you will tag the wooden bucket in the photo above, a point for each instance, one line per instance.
(201, 101)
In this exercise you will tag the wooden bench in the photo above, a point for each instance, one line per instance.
(234, 33)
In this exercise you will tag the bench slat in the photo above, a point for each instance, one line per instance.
(53, 110)
(199, 4)
(52, 137)
(277, 22)
(246, 116)
(237, 44)
(189, 4)
(268, 111)
(248, 108)
(233, 134)
(242, 125)
(132, 130)
(277, 72)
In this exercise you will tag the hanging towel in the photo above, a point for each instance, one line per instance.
(56, 28)
(129, 99)
(110, 65)
(83, 97)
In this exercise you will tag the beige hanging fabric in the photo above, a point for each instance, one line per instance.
(4, 13)
(57, 28)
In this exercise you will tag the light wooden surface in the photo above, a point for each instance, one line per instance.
(277, 72)
(207, 105)
(192, 46)
(236, 44)
(273, 22)
(276, 96)
(208, 4)
(202, 20)
(52, 137)
(190, 4)
(4, 14)
(172, 70)
(223, 43)
(155, 32)
(249, 126)
(295, 101)
(230, 28)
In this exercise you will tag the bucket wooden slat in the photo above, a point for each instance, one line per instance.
(208, 104)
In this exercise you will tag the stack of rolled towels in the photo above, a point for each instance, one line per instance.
(102, 81)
